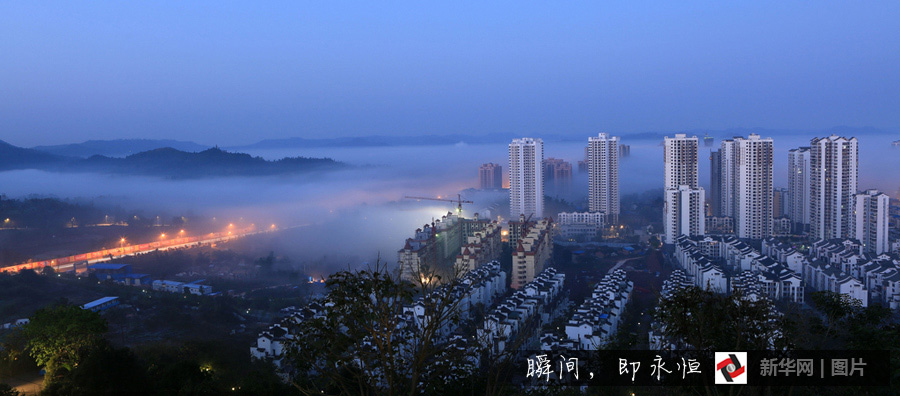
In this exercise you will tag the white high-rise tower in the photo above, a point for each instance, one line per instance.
(833, 187)
(684, 212)
(871, 221)
(526, 182)
(752, 171)
(603, 176)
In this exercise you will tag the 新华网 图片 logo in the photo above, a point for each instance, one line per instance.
(731, 368)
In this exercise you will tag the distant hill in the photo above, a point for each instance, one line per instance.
(164, 162)
(118, 148)
(13, 157)
(376, 141)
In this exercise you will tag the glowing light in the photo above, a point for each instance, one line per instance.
(231, 225)
(181, 232)
(162, 235)
(122, 240)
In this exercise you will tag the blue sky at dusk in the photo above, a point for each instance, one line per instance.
(237, 72)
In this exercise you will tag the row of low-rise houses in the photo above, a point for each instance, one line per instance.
(456, 300)
(781, 272)
(844, 266)
(123, 274)
(479, 287)
(713, 261)
(524, 312)
(272, 343)
(705, 272)
(596, 321)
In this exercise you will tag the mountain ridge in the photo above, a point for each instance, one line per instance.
(164, 162)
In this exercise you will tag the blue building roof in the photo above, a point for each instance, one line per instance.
(101, 301)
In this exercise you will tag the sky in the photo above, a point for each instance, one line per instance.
(232, 73)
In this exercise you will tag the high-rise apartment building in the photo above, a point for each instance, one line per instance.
(798, 188)
(490, 176)
(833, 187)
(603, 176)
(714, 201)
(684, 212)
(526, 182)
(726, 171)
(752, 163)
(871, 221)
(558, 173)
(780, 199)
(680, 159)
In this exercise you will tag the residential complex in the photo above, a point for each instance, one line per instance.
(534, 249)
(438, 246)
(596, 321)
(515, 319)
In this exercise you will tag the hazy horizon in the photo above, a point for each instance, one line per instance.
(232, 74)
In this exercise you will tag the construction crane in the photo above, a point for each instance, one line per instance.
(459, 201)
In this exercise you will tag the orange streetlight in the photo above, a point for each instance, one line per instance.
(162, 236)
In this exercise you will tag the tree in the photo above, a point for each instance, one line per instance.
(366, 344)
(103, 370)
(57, 336)
(705, 320)
(836, 308)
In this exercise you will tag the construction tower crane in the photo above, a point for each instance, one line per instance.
(459, 201)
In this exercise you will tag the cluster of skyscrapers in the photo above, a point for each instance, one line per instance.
(822, 196)
(528, 172)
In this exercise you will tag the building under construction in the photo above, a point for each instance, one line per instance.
(449, 246)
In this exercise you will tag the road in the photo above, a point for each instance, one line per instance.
(622, 262)
(78, 262)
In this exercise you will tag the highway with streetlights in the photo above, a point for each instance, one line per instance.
(79, 262)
